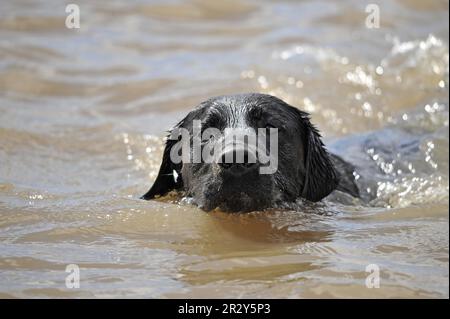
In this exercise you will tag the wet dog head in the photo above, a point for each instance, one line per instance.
(245, 152)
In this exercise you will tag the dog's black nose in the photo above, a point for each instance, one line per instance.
(238, 161)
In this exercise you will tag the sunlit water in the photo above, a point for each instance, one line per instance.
(83, 112)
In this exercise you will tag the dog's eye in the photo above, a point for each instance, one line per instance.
(280, 127)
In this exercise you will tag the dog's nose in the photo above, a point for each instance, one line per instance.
(237, 161)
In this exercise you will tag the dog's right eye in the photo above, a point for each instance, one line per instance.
(207, 139)
(214, 119)
(212, 122)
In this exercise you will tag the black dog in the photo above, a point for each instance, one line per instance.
(305, 169)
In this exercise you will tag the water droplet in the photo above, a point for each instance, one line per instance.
(379, 70)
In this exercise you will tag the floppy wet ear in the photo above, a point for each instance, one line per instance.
(166, 180)
(321, 177)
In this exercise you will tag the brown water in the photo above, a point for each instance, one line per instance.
(83, 112)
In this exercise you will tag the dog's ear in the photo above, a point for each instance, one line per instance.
(321, 177)
(169, 175)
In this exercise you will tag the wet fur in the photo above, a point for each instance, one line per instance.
(305, 168)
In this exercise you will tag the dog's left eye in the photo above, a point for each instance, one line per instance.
(280, 127)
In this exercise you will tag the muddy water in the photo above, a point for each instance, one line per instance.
(83, 112)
